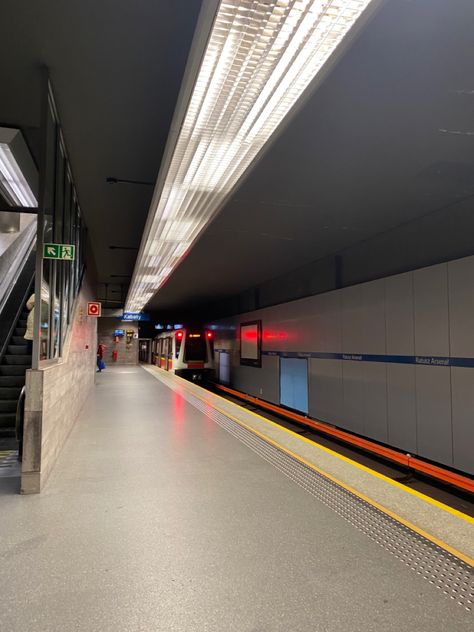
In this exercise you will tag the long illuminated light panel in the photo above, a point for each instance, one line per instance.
(13, 183)
(260, 57)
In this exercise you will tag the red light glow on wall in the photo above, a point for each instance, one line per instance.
(250, 334)
(274, 336)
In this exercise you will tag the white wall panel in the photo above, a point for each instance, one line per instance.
(431, 311)
(374, 320)
(260, 382)
(282, 327)
(326, 394)
(433, 403)
(365, 398)
(268, 379)
(352, 319)
(461, 306)
(375, 401)
(401, 406)
(325, 330)
(354, 396)
(463, 418)
(363, 318)
(422, 409)
(399, 314)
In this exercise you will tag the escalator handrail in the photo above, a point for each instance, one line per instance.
(28, 247)
(20, 414)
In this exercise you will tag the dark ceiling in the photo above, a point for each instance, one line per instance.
(116, 68)
(368, 152)
(387, 138)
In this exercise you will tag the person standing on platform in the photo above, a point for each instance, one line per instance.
(100, 357)
(30, 306)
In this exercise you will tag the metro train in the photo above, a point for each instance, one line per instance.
(187, 352)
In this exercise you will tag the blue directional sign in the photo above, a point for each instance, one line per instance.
(135, 316)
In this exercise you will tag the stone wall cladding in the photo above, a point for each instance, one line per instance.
(126, 354)
(56, 394)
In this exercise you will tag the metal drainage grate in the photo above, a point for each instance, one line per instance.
(448, 573)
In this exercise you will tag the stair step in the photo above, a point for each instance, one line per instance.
(13, 369)
(18, 340)
(10, 392)
(8, 405)
(7, 432)
(24, 360)
(7, 420)
(11, 381)
(17, 349)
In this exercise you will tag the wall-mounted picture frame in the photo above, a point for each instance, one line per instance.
(251, 343)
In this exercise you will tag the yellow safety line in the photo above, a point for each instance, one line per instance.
(409, 490)
(372, 502)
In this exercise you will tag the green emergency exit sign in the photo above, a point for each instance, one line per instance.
(65, 252)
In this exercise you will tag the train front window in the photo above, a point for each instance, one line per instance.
(195, 348)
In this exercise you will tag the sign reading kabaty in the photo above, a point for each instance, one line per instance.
(94, 309)
(135, 316)
(65, 252)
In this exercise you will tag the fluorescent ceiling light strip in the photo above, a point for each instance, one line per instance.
(260, 58)
(12, 181)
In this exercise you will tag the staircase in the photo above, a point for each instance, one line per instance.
(12, 375)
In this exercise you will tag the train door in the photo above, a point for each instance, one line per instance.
(224, 367)
(162, 352)
(169, 366)
(168, 353)
(144, 350)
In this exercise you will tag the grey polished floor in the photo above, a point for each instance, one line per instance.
(157, 520)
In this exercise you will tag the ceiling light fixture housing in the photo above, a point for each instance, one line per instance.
(18, 173)
(259, 59)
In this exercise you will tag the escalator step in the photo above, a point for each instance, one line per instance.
(17, 349)
(24, 360)
(10, 392)
(18, 340)
(11, 381)
(7, 420)
(20, 331)
(8, 405)
(13, 370)
(22, 323)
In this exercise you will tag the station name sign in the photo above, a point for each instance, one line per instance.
(135, 316)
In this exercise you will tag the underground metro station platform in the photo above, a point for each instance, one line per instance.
(236, 298)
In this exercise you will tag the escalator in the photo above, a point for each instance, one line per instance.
(15, 357)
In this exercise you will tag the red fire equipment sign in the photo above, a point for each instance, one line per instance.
(94, 309)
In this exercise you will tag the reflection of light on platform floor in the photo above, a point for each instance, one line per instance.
(9, 465)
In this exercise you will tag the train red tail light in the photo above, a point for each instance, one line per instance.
(179, 334)
(209, 334)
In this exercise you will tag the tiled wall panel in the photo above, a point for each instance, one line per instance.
(424, 409)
